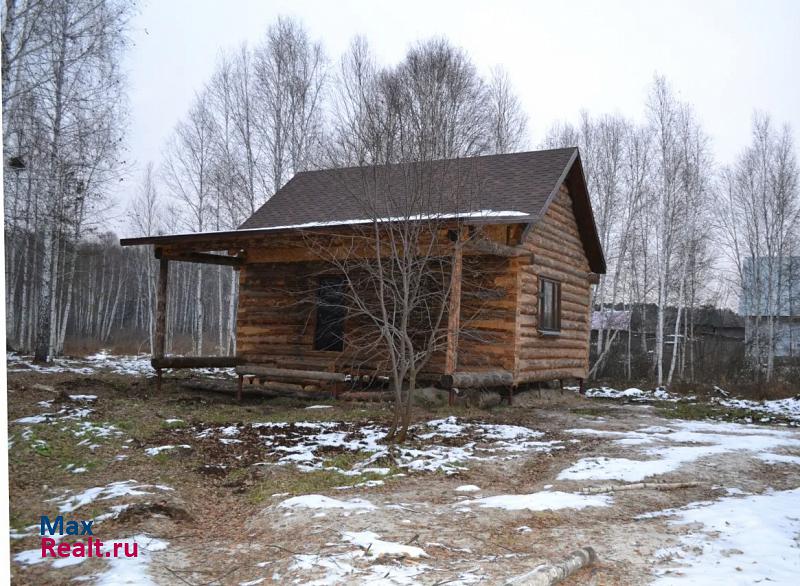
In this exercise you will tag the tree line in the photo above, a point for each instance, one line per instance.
(676, 227)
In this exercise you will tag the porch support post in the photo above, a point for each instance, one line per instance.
(454, 309)
(159, 344)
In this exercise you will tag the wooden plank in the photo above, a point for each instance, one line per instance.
(290, 374)
(195, 362)
(161, 310)
(206, 258)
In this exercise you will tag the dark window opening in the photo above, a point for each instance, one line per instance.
(329, 331)
(549, 305)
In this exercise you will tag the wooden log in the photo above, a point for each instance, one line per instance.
(490, 247)
(638, 486)
(258, 390)
(454, 310)
(551, 364)
(466, 380)
(559, 235)
(549, 574)
(559, 249)
(575, 350)
(368, 396)
(559, 266)
(161, 309)
(206, 258)
(290, 374)
(282, 387)
(195, 362)
(533, 376)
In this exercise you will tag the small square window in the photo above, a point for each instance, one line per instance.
(549, 305)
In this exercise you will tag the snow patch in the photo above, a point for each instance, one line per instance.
(318, 501)
(542, 501)
(134, 571)
(157, 450)
(108, 492)
(742, 540)
(686, 442)
(375, 547)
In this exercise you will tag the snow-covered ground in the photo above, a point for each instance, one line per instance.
(661, 450)
(305, 444)
(467, 500)
(120, 570)
(750, 539)
(788, 408)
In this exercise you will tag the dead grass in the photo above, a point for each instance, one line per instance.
(716, 412)
(231, 499)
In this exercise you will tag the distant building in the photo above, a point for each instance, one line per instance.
(778, 296)
(611, 319)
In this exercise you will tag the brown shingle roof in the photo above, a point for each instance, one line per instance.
(515, 187)
(518, 182)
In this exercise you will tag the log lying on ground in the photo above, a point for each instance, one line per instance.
(289, 374)
(376, 396)
(47, 388)
(638, 486)
(274, 390)
(465, 380)
(549, 574)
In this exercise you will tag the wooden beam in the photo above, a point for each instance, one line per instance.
(161, 310)
(454, 310)
(195, 362)
(289, 374)
(493, 248)
(205, 258)
(493, 378)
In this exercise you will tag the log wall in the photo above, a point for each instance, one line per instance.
(558, 254)
(499, 306)
(277, 313)
(275, 319)
(488, 311)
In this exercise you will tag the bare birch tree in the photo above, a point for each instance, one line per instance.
(188, 173)
(63, 118)
(758, 219)
(290, 76)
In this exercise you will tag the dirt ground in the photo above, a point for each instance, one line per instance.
(224, 512)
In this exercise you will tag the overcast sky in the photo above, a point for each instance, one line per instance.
(727, 58)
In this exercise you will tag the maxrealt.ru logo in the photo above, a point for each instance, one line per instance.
(91, 547)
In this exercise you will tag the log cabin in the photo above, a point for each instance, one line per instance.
(533, 242)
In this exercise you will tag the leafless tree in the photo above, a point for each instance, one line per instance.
(759, 217)
(146, 215)
(290, 79)
(509, 123)
(63, 118)
(407, 126)
(188, 173)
